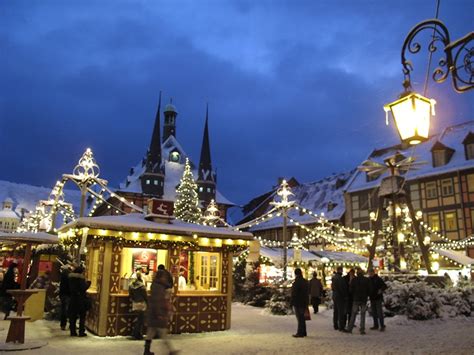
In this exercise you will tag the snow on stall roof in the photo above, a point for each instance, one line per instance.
(456, 256)
(27, 196)
(29, 237)
(173, 173)
(137, 223)
(451, 137)
(315, 196)
(276, 254)
(340, 256)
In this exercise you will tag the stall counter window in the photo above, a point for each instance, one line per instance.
(93, 268)
(199, 271)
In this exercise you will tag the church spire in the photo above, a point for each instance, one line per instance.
(152, 180)
(170, 113)
(206, 178)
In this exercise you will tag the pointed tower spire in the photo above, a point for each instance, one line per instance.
(153, 178)
(170, 113)
(206, 177)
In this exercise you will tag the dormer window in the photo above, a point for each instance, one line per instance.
(441, 154)
(469, 146)
(331, 206)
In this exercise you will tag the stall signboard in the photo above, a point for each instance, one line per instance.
(144, 259)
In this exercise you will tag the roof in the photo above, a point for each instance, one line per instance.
(27, 196)
(9, 214)
(452, 137)
(29, 237)
(276, 255)
(340, 256)
(137, 223)
(456, 256)
(322, 196)
(173, 173)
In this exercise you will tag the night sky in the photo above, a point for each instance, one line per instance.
(295, 88)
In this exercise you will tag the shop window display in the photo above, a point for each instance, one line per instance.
(199, 271)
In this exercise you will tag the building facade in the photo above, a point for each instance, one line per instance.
(442, 188)
(9, 219)
(158, 174)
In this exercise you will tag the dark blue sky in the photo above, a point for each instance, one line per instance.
(295, 88)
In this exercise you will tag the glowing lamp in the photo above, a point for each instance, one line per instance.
(412, 113)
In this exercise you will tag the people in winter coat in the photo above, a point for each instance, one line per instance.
(138, 296)
(169, 277)
(378, 287)
(316, 292)
(9, 283)
(299, 301)
(348, 279)
(360, 287)
(64, 294)
(43, 281)
(340, 294)
(158, 313)
(78, 305)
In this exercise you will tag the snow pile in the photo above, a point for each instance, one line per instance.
(420, 301)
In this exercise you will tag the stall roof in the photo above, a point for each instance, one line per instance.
(340, 256)
(276, 254)
(456, 256)
(135, 222)
(29, 237)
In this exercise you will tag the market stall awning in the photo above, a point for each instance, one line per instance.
(342, 257)
(29, 237)
(457, 256)
(276, 255)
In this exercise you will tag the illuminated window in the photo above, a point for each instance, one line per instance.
(199, 271)
(155, 182)
(447, 187)
(201, 189)
(175, 156)
(433, 221)
(147, 182)
(142, 258)
(431, 190)
(470, 183)
(450, 221)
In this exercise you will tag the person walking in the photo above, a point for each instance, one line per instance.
(378, 287)
(340, 294)
(360, 287)
(158, 313)
(78, 303)
(9, 283)
(299, 301)
(348, 306)
(64, 295)
(316, 292)
(137, 293)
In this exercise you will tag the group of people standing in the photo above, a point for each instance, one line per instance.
(350, 294)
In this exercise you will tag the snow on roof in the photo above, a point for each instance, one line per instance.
(27, 196)
(322, 196)
(340, 256)
(276, 255)
(451, 137)
(9, 214)
(173, 173)
(37, 238)
(137, 223)
(456, 256)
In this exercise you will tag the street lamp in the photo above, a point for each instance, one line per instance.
(412, 111)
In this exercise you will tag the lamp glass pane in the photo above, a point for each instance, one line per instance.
(412, 117)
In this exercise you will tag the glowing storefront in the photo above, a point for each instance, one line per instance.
(199, 258)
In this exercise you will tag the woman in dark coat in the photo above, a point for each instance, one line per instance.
(159, 309)
(78, 305)
(9, 283)
(138, 296)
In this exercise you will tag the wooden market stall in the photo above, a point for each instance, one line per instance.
(199, 258)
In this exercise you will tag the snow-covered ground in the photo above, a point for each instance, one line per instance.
(256, 332)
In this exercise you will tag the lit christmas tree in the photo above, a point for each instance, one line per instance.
(186, 206)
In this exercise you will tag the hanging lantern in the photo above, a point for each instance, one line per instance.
(412, 113)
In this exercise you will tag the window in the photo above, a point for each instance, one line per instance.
(433, 221)
(147, 182)
(431, 190)
(470, 182)
(199, 271)
(174, 156)
(447, 187)
(439, 158)
(470, 151)
(155, 182)
(209, 189)
(201, 189)
(450, 222)
(363, 202)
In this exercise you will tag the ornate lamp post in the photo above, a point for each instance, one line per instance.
(412, 111)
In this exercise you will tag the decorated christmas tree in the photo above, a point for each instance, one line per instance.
(186, 206)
